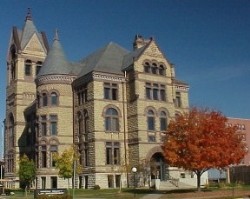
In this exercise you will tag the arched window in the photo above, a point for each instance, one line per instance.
(44, 99)
(111, 120)
(38, 66)
(154, 68)
(161, 70)
(54, 99)
(163, 121)
(28, 68)
(146, 67)
(151, 120)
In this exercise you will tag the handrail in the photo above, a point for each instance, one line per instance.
(172, 180)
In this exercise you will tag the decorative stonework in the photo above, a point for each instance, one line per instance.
(100, 76)
(34, 44)
(181, 88)
(153, 51)
(29, 95)
(66, 79)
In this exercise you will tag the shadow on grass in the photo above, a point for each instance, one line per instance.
(153, 191)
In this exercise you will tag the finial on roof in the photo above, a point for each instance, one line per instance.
(28, 16)
(56, 37)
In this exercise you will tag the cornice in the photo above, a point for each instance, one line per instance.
(50, 79)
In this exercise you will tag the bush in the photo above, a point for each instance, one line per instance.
(65, 196)
(96, 187)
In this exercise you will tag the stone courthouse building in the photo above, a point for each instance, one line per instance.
(113, 105)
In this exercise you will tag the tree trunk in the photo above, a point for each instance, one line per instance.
(198, 173)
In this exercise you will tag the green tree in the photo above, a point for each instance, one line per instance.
(27, 172)
(65, 163)
(201, 139)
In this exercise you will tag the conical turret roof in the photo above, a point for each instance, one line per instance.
(55, 62)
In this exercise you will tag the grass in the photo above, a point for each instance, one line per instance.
(211, 193)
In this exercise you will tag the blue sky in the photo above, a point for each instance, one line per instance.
(207, 40)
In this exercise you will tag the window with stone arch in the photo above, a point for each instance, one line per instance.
(150, 120)
(44, 99)
(154, 67)
(54, 98)
(28, 67)
(38, 66)
(163, 121)
(147, 67)
(111, 120)
(161, 69)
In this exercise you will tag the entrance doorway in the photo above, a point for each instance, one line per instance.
(158, 167)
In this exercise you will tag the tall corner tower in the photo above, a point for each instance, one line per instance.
(26, 52)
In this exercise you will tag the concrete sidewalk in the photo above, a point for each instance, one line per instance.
(151, 196)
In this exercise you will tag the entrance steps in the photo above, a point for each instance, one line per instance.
(169, 185)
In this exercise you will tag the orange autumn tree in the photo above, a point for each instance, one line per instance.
(199, 140)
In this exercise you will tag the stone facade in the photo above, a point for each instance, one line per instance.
(116, 117)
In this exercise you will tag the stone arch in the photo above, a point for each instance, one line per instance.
(157, 163)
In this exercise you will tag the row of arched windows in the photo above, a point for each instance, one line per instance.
(48, 99)
(111, 120)
(151, 120)
(154, 67)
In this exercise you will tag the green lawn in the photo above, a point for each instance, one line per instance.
(214, 193)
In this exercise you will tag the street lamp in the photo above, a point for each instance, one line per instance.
(134, 170)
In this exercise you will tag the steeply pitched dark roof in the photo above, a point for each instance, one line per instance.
(107, 59)
(55, 62)
(22, 37)
(130, 57)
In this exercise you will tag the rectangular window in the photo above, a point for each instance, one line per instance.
(116, 153)
(178, 99)
(53, 124)
(82, 95)
(110, 181)
(155, 92)
(43, 125)
(113, 153)
(28, 70)
(162, 93)
(86, 154)
(53, 182)
(43, 182)
(53, 152)
(110, 91)
(148, 91)
(109, 153)
(117, 181)
(44, 157)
